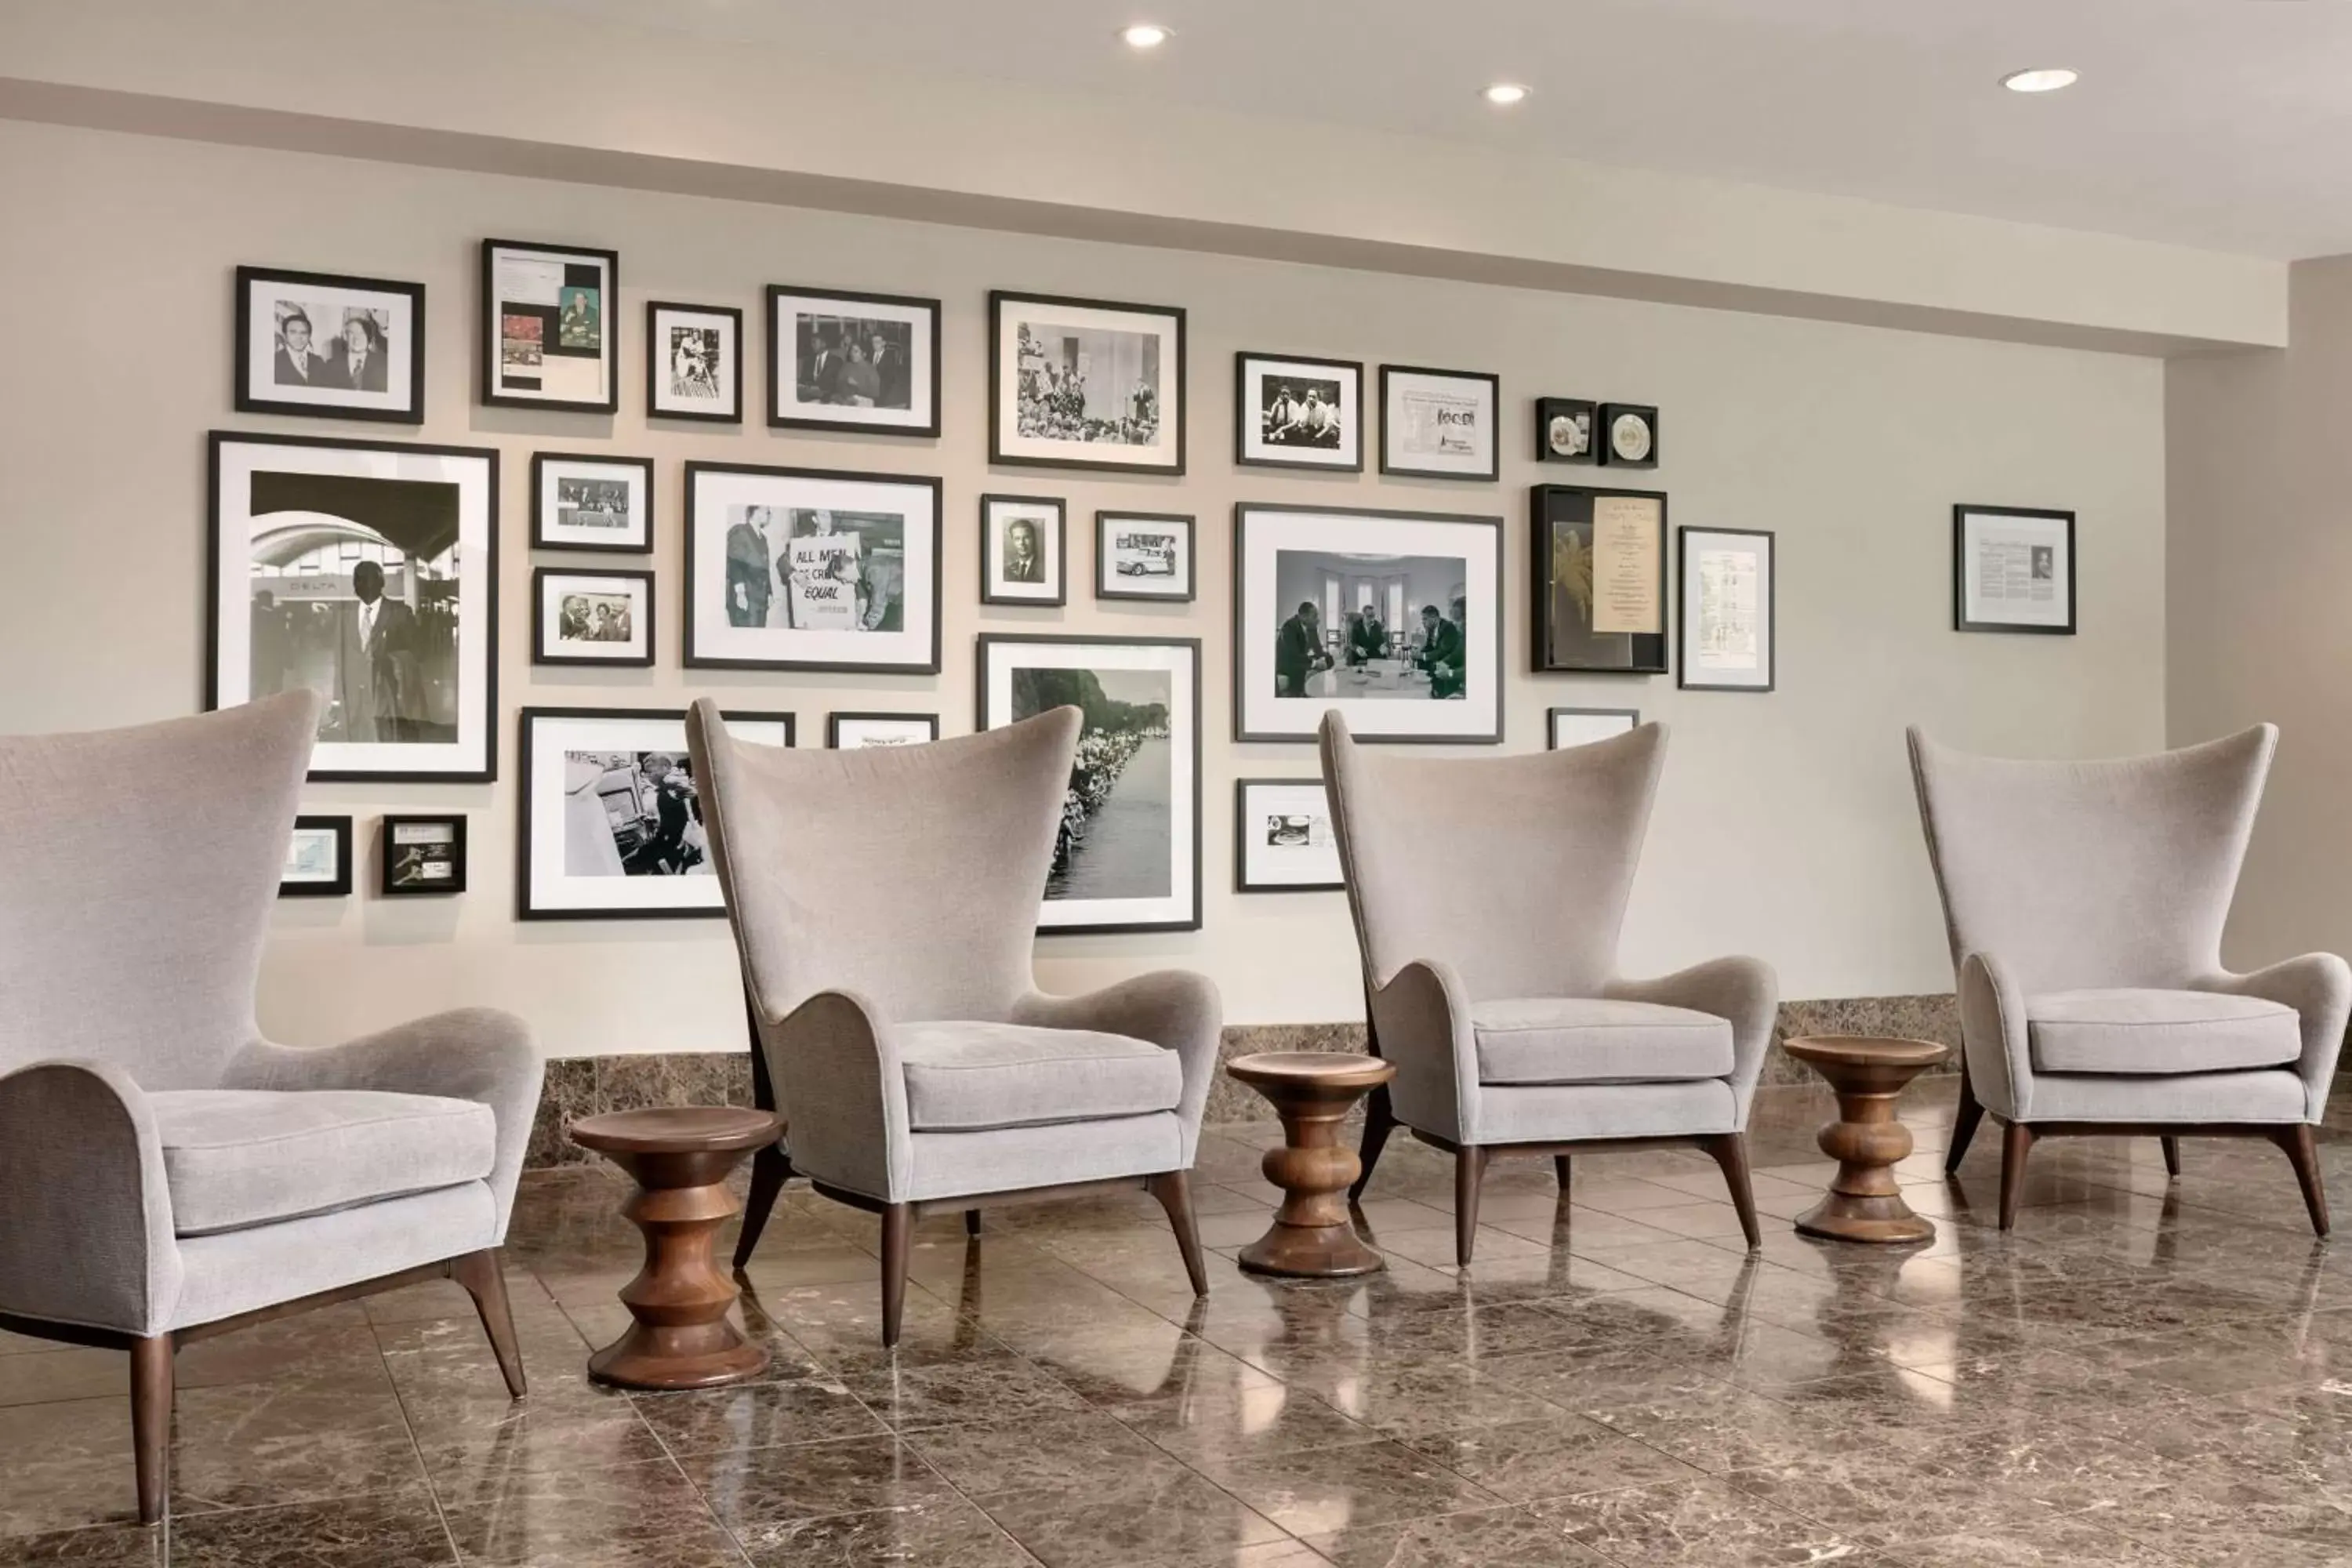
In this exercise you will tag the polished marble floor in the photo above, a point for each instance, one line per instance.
(2145, 1373)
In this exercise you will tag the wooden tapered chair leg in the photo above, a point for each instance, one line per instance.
(1729, 1151)
(2016, 1141)
(2171, 1157)
(971, 1222)
(484, 1277)
(151, 1422)
(1379, 1119)
(1174, 1190)
(897, 1241)
(2303, 1153)
(1560, 1168)
(1469, 1171)
(771, 1169)
(1964, 1121)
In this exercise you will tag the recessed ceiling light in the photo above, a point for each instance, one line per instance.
(1504, 94)
(2048, 79)
(1143, 35)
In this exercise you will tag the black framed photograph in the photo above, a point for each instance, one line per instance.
(611, 823)
(586, 502)
(421, 855)
(1564, 430)
(318, 858)
(1565, 727)
(1085, 383)
(1729, 624)
(1599, 573)
(591, 617)
(1023, 549)
(549, 332)
(367, 572)
(1629, 436)
(693, 362)
(1392, 618)
(331, 347)
(2012, 570)
(1282, 840)
(1143, 555)
(811, 569)
(854, 731)
(1127, 856)
(1291, 411)
(1439, 423)
(843, 361)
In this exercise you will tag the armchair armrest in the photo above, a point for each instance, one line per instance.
(1743, 991)
(2318, 986)
(1173, 1008)
(843, 1092)
(1420, 1020)
(471, 1053)
(1993, 1037)
(85, 1209)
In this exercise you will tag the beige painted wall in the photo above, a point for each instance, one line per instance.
(1785, 827)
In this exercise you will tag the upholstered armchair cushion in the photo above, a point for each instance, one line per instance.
(968, 1076)
(1578, 1039)
(2148, 1031)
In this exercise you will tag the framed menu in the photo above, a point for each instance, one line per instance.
(1600, 576)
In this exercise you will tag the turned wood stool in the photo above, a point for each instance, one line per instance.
(680, 1157)
(1866, 1073)
(1312, 1237)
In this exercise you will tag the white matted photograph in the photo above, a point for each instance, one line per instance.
(855, 731)
(1143, 555)
(693, 362)
(591, 617)
(550, 330)
(368, 572)
(611, 820)
(1128, 854)
(2012, 570)
(592, 504)
(811, 569)
(1283, 839)
(1728, 615)
(1024, 548)
(840, 361)
(1566, 727)
(1439, 423)
(1085, 383)
(331, 347)
(1392, 618)
(318, 858)
(1294, 412)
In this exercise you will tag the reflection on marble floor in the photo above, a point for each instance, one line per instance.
(2142, 1373)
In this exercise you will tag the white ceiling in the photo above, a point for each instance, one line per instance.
(2221, 123)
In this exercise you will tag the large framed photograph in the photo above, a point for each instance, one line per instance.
(611, 822)
(421, 854)
(1143, 555)
(1283, 841)
(592, 504)
(1729, 624)
(1393, 618)
(855, 731)
(335, 348)
(839, 361)
(1294, 412)
(318, 858)
(1566, 727)
(1023, 549)
(1598, 574)
(1439, 423)
(694, 362)
(811, 569)
(1085, 383)
(591, 617)
(1127, 856)
(369, 572)
(2012, 570)
(550, 329)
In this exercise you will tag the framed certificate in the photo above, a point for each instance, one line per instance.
(2012, 570)
(1728, 615)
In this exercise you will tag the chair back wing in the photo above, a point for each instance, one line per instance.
(1513, 869)
(2094, 874)
(910, 875)
(137, 871)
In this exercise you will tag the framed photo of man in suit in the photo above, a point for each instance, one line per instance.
(329, 347)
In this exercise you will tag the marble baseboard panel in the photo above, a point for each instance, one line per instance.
(588, 1086)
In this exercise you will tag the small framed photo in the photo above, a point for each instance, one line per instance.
(591, 617)
(1565, 727)
(1629, 433)
(694, 362)
(421, 855)
(839, 361)
(612, 822)
(318, 858)
(582, 502)
(1143, 555)
(1439, 423)
(1564, 430)
(550, 335)
(853, 731)
(331, 347)
(1085, 383)
(2012, 570)
(1023, 546)
(1600, 577)
(1283, 841)
(1293, 412)
(1727, 614)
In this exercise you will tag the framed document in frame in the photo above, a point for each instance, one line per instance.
(1728, 623)
(2012, 570)
(550, 333)
(1599, 578)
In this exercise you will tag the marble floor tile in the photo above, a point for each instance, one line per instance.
(1324, 1490)
(942, 1532)
(1487, 1538)
(401, 1531)
(638, 1516)
(1152, 1518)
(1564, 1456)
(123, 1546)
(750, 1489)
(1687, 1524)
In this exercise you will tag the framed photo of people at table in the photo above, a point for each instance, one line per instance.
(1599, 574)
(1729, 627)
(549, 332)
(1127, 856)
(1392, 618)
(330, 347)
(845, 360)
(1085, 383)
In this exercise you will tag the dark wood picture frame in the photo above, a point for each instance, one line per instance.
(1633, 715)
(1549, 506)
(1960, 621)
(781, 365)
(832, 722)
(998, 298)
(1245, 411)
(1607, 418)
(454, 820)
(1772, 611)
(341, 886)
(541, 653)
(988, 588)
(487, 336)
(655, 359)
(1103, 519)
(1550, 409)
(249, 401)
(1241, 884)
(1392, 469)
(539, 498)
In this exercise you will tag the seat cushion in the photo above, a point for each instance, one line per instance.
(2158, 1032)
(964, 1077)
(240, 1157)
(1576, 1039)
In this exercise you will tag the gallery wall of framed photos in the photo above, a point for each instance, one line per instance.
(1849, 446)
